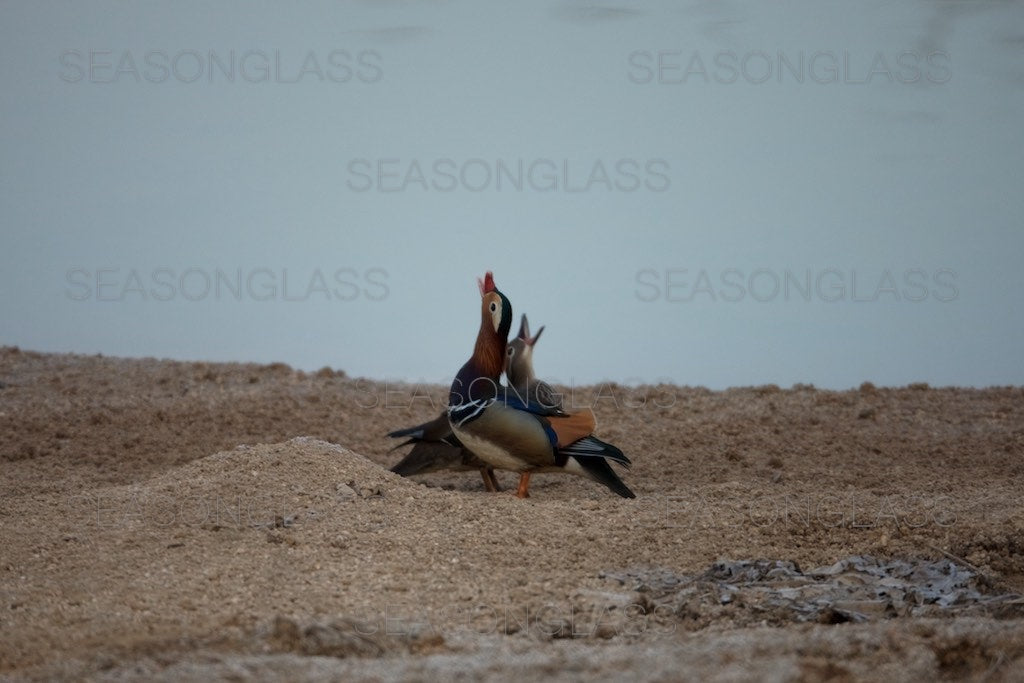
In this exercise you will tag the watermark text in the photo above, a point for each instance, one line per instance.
(195, 283)
(763, 285)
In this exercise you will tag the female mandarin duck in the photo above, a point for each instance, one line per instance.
(436, 448)
(519, 369)
(514, 433)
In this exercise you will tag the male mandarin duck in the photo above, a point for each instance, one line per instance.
(519, 369)
(513, 433)
(436, 448)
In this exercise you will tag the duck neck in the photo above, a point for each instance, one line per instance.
(489, 353)
(524, 377)
(479, 378)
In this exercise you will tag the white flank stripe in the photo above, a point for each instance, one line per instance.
(480, 406)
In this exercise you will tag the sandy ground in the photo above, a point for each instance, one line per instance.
(170, 521)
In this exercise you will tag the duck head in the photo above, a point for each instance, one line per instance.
(495, 324)
(519, 355)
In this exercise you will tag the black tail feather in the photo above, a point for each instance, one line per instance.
(415, 432)
(409, 466)
(591, 446)
(404, 443)
(429, 457)
(434, 431)
(599, 470)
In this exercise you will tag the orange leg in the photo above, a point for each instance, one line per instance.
(524, 483)
(490, 481)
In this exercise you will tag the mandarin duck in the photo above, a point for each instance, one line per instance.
(514, 433)
(436, 448)
(519, 369)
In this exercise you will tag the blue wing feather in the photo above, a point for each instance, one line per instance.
(534, 408)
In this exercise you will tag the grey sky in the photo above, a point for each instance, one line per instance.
(711, 193)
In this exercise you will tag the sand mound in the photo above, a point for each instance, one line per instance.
(301, 482)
